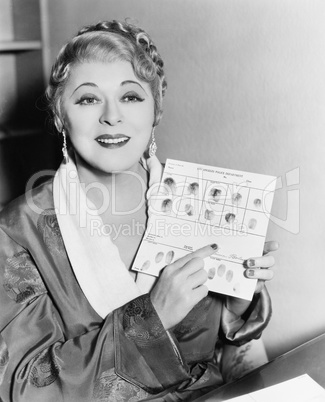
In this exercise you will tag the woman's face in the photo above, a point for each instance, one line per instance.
(108, 114)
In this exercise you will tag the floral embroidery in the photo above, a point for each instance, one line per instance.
(111, 388)
(140, 321)
(22, 281)
(4, 358)
(48, 226)
(138, 309)
(45, 369)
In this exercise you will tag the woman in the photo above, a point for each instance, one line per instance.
(76, 324)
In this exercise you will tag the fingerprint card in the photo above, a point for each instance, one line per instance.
(197, 205)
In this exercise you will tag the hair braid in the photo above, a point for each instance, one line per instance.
(138, 36)
(108, 41)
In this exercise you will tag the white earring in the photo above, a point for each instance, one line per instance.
(64, 147)
(153, 145)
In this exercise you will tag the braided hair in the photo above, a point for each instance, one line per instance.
(108, 41)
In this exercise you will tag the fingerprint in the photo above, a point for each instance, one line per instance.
(159, 257)
(208, 214)
(236, 198)
(193, 188)
(229, 275)
(229, 217)
(170, 182)
(252, 223)
(189, 209)
(166, 205)
(257, 203)
(221, 270)
(169, 257)
(145, 265)
(211, 273)
(215, 193)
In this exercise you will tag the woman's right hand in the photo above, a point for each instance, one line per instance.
(181, 286)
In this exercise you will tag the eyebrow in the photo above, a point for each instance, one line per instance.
(92, 84)
(133, 82)
(88, 84)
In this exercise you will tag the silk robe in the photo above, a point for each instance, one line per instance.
(55, 347)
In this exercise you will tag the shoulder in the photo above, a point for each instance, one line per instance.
(25, 211)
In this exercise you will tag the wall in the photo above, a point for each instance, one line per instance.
(246, 91)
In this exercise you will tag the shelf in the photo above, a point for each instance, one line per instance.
(19, 46)
(7, 133)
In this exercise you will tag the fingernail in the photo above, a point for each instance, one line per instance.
(251, 263)
(251, 272)
(214, 246)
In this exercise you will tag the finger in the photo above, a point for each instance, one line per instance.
(199, 293)
(259, 286)
(261, 274)
(201, 253)
(198, 278)
(156, 170)
(260, 262)
(191, 267)
(270, 246)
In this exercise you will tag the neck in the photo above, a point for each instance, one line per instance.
(125, 189)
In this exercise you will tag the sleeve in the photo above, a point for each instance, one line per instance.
(241, 329)
(129, 356)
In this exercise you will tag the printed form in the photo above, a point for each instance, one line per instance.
(299, 389)
(197, 205)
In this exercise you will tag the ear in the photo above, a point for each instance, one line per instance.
(58, 124)
(157, 118)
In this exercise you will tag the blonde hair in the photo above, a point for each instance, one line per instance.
(108, 41)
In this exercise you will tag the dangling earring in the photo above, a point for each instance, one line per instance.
(153, 145)
(65, 148)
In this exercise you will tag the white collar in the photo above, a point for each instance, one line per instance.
(95, 259)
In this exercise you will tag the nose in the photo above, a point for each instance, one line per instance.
(111, 114)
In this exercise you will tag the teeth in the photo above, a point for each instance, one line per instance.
(112, 141)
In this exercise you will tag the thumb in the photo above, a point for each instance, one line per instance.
(155, 170)
(155, 174)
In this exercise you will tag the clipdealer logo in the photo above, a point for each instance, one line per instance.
(289, 184)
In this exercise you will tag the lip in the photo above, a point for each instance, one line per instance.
(112, 141)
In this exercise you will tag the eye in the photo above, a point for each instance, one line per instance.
(132, 98)
(88, 100)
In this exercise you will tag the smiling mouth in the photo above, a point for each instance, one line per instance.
(112, 141)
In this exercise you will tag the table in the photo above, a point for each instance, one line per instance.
(308, 358)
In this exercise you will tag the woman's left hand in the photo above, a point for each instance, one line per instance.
(259, 267)
(256, 268)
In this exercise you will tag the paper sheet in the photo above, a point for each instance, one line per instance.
(299, 389)
(197, 205)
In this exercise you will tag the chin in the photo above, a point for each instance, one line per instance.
(118, 166)
(97, 164)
